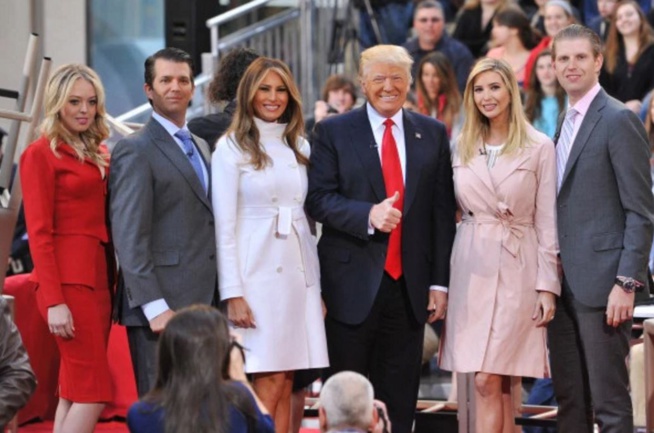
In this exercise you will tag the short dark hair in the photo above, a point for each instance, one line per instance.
(168, 53)
(338, 82)
(228, 75)
(577, 31)
(428, 4)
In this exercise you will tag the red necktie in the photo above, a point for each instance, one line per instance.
(393, 179)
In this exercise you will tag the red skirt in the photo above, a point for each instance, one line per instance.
(84, 375)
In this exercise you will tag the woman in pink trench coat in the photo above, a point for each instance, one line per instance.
(503, 269)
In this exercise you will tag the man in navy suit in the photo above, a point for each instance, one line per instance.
(380, 182)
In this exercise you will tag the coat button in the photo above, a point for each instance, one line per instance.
(274, 199)
(470, 213)
(279, 269)
(212, 256)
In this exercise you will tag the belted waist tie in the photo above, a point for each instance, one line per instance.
(290, 218)
(513, 229)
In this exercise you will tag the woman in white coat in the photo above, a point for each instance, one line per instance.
(267, 258)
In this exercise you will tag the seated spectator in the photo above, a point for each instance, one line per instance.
(512, 40)
(627, 74)
(546, 98)
(347, 405)
(537, 20)
(17, 380)
(602, 22)
(339, 94)
(429, 25)
(222, 89)
(591, 9)
(201, 385)
(475, 23)
(558, 14)
(437, 93)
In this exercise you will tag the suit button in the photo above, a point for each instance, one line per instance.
(279, 269)
(470, 213)
(274, 199)
(212, 256)
(211, 223)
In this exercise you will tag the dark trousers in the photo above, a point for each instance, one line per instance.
(143, 349)
(589, 368)
(386, 347)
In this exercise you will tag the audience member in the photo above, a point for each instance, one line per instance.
(545, 99)
(558, 14)
(161, 215)
(393, 18)
(602, 167)
(64, 181)
(628, 73)
(475, 23)
(429, 25)
(512, 40)
(267, 258)
(17, 380)
(222, 89)
(201, 386)
(437, 92)
(339, 94)
(602, 22)
(378, 294)
(593, 9)
(500, 303)
(537, 20)
(347, 404)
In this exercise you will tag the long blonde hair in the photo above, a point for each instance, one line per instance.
(85, 144)
(243, 128)
(476, 126)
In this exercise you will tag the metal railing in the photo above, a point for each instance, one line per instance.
(301, 36)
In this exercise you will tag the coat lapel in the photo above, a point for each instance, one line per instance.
(414, 143)
(171, 150)
(590, 120)
(363, 142)
(505, 165)
(479, 168)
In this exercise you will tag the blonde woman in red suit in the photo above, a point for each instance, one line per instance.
(64, 175)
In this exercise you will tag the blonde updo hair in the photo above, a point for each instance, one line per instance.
(86, 144)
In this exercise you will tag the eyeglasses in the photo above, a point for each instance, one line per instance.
(426, 20)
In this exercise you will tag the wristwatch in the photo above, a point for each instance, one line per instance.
(628, 284)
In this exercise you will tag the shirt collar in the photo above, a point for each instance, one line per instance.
(583, 104)
(377, 120)
(169, 126)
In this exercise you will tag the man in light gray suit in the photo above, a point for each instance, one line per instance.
(161, 216)
(605, 209)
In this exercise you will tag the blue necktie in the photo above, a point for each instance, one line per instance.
(193, 156)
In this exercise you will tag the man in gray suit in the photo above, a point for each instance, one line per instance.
(605, 209)
(161, 215)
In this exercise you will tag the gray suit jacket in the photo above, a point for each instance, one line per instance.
(162, 224)
(605, 205)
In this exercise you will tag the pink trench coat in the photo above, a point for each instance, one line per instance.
(504, 252)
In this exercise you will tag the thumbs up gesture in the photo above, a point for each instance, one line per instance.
(383, 216)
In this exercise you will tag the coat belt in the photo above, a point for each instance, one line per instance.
(290, 218)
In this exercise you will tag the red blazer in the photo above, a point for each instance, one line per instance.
(65, 212)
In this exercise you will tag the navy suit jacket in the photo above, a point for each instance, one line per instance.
(345, 181)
